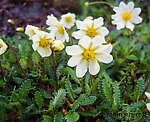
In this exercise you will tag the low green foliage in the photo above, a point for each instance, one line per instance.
(115, 95)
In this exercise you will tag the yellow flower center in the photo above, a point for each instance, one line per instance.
(88, 55)
(1, 45)
(91, 32)
(44, 42)
(60, 30)
(68, 19)
(126, 16)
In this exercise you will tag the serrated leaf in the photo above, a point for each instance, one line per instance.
(58, 117)
(24, 89)
(89, 100)
(47, 118)
(93, 113)
(132, 57)
(68, 86)
(39, 99)
(59, 98)
(72, 117)
(73, 75)
(36, 58)
(23, 62)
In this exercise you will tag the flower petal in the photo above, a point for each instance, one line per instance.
(85, 41)
(74, 60)
(103, 31)
(81, 25)
(147, 94)
(44, 52)
(104, 49)
(81, 69)
(94, 67)
(104, 57)
(78, 34)
(88, 22)
(97, 41)
(35, 46)
(98, 22)
(136, 11)
(74, 50)
(130, 6)
(130, 26)
(148, 106)
(136, 20)
(120, 25)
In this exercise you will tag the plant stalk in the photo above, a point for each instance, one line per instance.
(54, 69)
(18, 62)
(91, 84)
(2, 72)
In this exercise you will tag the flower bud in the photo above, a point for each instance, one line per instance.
(86, 4)
(57, 45)
(20, 29)
(11, 21)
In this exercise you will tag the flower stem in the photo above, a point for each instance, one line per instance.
(2, 72)
(144, 91)
(18, 62)
(128, 32)
(91, 84)
(43, 65)
(100, 2)
(54, 69)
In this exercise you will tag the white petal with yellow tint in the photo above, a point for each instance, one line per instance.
(74, 50)
(78, 34)
(104, 57)
(74, 60)
(85, 41)
(147, 94)
(81, 25)
(98, 22)
(148, 106)
(94, 67)
(44, 52)
(81, 69)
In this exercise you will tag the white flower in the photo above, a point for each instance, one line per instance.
(57, 28)
(90, 28)
(31, 30)
(57, 45)
(3, 46)
(87, 54)
(126, 15)
(148, 104)
(68, 20)
(41, 43)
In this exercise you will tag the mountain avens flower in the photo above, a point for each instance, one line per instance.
(41, 43)
(3, 47)
(57, 45)
(87, 53)
(126, 15)
(90, 28)
(68, 20)
(148, 104)
(57, 28)
(31, 30)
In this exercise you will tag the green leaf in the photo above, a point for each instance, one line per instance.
(58, 117)
(15, 96)
(89, 100)
(68, 86)
(47, 118)
(72, 117)
(73, 75)
(132, 57)
(116, 95)
(59, 98)
(36, 58)
(23, 62)
(93, 113)
(24, 89)
(39, 99)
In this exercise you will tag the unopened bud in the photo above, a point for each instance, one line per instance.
(20, 29)
(86, 4)
(11, 21)
(57, 45)
(89, 17)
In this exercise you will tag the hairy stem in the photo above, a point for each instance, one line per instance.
(43, 65)
(54, 69)
(18, 62)
(100, 2)
(91, 84)
(2, 72)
